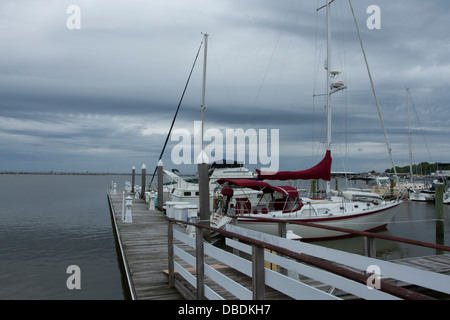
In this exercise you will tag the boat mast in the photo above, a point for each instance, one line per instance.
(330, 89)
(205, 36)
(409, 138)
(328, 68)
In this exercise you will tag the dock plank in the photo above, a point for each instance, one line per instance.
(436, 263)
(144, 244)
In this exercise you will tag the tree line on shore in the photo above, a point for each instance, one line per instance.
(423, 168)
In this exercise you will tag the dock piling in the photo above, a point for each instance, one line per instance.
(123, 206)
(133, 175)
(439, 210)
(160, 186)
(370, 249)
(203, 186)
(144, 172)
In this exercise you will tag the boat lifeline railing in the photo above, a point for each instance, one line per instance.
(319, 263)
(369, 238)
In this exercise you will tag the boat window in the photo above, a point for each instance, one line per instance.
(187, 193)
(292, 204)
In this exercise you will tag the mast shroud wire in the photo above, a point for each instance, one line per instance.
(178, 109)
(373, 90)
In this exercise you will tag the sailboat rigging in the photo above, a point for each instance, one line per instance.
(176, 113)
(358, 211)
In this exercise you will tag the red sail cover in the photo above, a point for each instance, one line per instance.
(321, 171)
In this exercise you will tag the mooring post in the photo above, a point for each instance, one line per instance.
(391, 189)
(123, 206)
(370, 249)
(314, 188)
(160, 186)
(144, 172)
(439, 209)
(203, 186)
(133, 174)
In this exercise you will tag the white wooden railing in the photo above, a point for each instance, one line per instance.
(324, 265)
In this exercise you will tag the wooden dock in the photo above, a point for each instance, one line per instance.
(143, 246)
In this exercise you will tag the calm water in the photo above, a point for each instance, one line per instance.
(49, 222)
(413, 220)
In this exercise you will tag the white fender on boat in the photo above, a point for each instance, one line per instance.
(292, 236)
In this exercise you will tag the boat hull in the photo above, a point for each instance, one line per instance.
(364, 221)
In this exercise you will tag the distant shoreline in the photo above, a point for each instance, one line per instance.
(66, 173)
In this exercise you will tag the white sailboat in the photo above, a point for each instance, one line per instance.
(284, 203)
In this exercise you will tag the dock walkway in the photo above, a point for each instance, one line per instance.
(143, 246)
(144, 251)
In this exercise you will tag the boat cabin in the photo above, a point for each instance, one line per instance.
(284, 198)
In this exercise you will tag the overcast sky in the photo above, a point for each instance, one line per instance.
(102, 98)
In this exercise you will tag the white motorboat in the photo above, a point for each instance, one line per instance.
(426, 195)
(183, 191)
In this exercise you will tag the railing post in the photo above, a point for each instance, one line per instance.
(258, 273)
(234, 223)
(170, 254)
(370, 249)
(200, 267)
(282, 232)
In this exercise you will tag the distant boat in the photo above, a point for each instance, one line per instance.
(428, 195)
